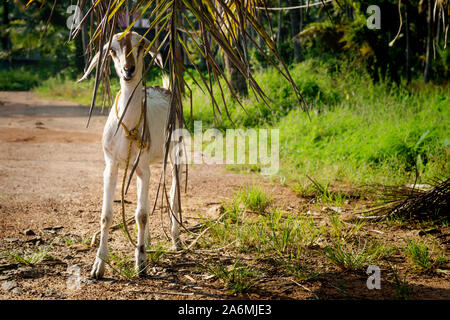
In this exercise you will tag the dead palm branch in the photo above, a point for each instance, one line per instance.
(413, 202)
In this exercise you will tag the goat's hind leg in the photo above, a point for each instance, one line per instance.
(110, 180)
(141, 216)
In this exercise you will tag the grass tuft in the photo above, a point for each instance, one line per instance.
(254, 198)
(33, 258)
(238, 278)
(425, 257)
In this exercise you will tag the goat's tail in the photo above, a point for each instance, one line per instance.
(165, 80)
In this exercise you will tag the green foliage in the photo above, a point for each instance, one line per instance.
(347, 37)
(400, 286)
(63, 88)
(425, 257)
(376, 133)
(122, 265)
(155, 255)
(316, 88)
(32, 258)
(351, 256)
(358, 130)
(254, 198)
(18, 80)
(238, 278)
(25, 33)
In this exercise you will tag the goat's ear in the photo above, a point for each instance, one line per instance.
(93, 63)
(159, 61)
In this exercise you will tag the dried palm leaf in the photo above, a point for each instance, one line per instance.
(413, 202)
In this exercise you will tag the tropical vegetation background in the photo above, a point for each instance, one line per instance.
(378, 98)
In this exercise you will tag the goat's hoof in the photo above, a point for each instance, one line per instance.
(141, 270)
(177, 246)
(98, 269)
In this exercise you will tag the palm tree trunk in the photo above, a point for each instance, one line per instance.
(237, 80)
(427, 72)
(294, 16)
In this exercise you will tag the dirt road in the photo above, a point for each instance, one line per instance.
(50, 200)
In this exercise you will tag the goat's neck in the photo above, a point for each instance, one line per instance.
(133, 113)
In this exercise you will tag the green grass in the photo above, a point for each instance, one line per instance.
(401, 289)
(238, 277)
(255, 198)
(20, 79)
(71, 240)
(154, 255)
(322, 194)
(123, 265)
(290, 242)
(339, 231)
(424, 257)
(358, 131)
(32, 258)
(60, 88)
(275, 232)
(354, 256)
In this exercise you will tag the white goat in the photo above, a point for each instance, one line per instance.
(115, 146)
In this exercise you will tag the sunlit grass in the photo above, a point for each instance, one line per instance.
(33, 258)
(238, 277)
(355, 255)
(425, 257)
(358, 131)
(255, 198)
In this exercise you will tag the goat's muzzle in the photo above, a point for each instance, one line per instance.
(129, 73)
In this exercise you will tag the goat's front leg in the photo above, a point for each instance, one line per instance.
(141, 216)
(109, 180)
(176, 209)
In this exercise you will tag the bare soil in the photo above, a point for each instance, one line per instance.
(51, 185)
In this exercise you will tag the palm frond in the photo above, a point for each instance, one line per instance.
(431, 201)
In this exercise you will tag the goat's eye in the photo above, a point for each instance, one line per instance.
(113, 52)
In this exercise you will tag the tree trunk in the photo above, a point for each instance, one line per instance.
(427, 72)
(280, 25)
(237, 80)
(79, 54)
(408, 47)
(261, 40)
(6, 42)
(294, 16)
(180, 59)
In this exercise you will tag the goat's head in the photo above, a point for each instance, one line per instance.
(128, 56)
